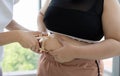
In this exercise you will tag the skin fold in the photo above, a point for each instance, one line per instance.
(52, 42)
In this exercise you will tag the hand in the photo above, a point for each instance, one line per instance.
(46, 42)
(41, 39)
(65, 53)
(28, 39)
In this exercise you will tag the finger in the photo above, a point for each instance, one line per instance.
(40, 43)
(40, 35)
(44, 34)
(34, 45)
(43, 51)
(37, 47)
(54, 53)
(40, 51)
(32, 48)
(36, 33)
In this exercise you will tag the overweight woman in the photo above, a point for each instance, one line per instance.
(84, 23)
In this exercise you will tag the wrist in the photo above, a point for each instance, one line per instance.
(78, 52)
(75, 51)
(16, 35)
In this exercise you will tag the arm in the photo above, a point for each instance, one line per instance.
(26, 39)
(111, 25)
(8, 37)
(20, 34)
(41, 25)
(13, 25)
(108, 48)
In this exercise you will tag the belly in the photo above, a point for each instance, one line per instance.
(52, 42)
(70, 40)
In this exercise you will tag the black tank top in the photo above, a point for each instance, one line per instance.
(77, 18)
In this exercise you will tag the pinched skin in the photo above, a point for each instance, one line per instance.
(51, 42)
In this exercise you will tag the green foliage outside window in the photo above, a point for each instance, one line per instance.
(17, 58)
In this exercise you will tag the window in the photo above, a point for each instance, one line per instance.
(18, 59)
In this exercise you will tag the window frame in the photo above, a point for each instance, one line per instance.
(116, 66)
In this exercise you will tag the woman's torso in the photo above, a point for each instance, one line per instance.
(72, 17)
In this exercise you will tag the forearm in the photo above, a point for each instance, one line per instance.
(105, 49)
(8, 37)
(41, 25)
(13, 25)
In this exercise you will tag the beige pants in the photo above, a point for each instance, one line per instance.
(78, 67)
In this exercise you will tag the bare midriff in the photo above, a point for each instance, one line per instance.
(53, 42)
